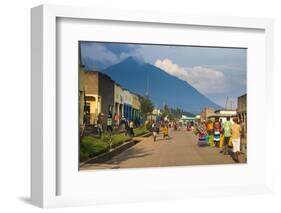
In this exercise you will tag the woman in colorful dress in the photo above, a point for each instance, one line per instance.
(210, 130)
(202, 134)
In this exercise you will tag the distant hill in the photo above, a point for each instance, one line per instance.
(162, 88)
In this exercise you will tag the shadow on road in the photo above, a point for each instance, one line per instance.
(129, 154)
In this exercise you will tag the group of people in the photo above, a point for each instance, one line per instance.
(177, 125)
(222, 135)
(125, 125)
(157, 127)
(210, 133)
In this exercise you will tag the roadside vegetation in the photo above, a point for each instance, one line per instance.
(91, 146)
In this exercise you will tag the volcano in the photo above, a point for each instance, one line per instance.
(162, 88)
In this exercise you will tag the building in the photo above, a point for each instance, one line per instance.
(118, 101)
(242, 111)
(186, 119)
(106, 92)
(135, 107)
(81, 99)
(128, 101)
(206, 113)
(98, 95)
(222, 115)
(92, 101)
(155, 115)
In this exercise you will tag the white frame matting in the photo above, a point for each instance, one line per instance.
(45, 178)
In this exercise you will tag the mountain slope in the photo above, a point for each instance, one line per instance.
(162, 88)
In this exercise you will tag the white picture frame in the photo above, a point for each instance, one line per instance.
(45, 171)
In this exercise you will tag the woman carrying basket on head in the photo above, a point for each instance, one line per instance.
(202, 134)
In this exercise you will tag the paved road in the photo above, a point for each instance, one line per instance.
(180, 149)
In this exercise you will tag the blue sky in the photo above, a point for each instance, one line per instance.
(216, 72)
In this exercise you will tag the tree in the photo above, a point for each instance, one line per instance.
(166, 111)
(171, 117)
(171, 113)
(146, 106)
(178, 113)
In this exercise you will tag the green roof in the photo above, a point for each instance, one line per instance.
(183, 117)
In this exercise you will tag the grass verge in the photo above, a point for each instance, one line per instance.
(91, 146)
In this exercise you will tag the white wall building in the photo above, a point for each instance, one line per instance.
(118, 100)
(222, 114)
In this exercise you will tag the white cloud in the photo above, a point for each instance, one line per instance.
(205, 79)
(102, 56)
(99, 53)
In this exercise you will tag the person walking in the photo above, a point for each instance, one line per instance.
(116, 120)
(122, 124)
(226, 134)
(131, 126)
(175, 125)
(127, 127)
(210, 127)
(165, 131)
(236, 134)
(202, 134)
(109, 128)
(217, 133)
(100, 124)
(154, 131)
(210, 130)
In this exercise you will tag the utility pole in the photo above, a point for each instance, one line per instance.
(226, 102)
(147, 84)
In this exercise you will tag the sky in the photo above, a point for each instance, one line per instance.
(217, 72)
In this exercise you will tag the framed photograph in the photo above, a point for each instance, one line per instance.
(132, 106)
(185, 105)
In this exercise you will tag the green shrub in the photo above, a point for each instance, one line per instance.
(118, 139)
(140, 131)
(91, 146)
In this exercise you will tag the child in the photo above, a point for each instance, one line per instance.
(217, 133)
